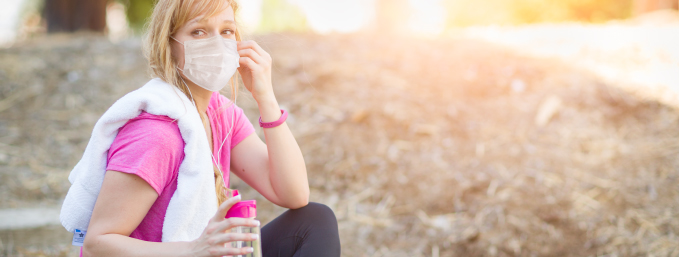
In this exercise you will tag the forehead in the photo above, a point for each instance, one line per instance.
(225, 15)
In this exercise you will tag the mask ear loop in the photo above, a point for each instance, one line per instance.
(176, 40)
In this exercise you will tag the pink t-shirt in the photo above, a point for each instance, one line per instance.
(152, 148)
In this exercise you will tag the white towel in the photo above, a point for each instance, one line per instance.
(193, 203)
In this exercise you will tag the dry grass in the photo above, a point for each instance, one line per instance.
(422, 148)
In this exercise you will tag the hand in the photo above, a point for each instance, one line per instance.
(255, 69)
(216, 234)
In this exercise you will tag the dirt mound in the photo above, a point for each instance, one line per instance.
(422, 148)
(640, 59)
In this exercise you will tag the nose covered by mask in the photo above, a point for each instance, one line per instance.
(210, 62)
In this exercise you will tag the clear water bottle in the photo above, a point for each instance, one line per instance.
(248, 210)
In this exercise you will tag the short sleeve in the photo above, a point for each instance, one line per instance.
(242, 126)
(150, 147)
(232, 119)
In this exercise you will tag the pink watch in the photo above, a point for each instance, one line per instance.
(273, 124)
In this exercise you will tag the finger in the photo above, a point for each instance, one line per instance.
(224, 207)
(252, 55)
(252, 45)
(232, 223)
(230, 237)
(247, 62)
(221, 251)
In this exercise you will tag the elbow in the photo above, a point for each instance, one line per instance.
(86, 252)
(297, 205)
(96, 244)
(88, 246)
(301, 200)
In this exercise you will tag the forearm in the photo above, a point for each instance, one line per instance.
(287, 171)
(120, 245)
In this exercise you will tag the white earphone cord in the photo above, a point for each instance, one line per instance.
(216, 162)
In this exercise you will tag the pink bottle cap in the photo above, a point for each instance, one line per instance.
(243, 209)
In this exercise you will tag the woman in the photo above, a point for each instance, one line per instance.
(144, 159)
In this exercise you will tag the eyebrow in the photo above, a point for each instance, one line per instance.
(201, 19)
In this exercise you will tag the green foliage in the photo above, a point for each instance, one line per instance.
(279, 15)
(485, 12)
(137, 12)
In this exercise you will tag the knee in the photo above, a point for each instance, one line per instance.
(317, 209)
(319, 212)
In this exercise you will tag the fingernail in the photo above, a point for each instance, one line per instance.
(237, 197)
(256, 222)
(250, 249)
(255, 236)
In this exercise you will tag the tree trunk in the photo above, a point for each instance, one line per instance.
(74, 15)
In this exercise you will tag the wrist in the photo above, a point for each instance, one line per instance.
(187, 249)
(269, 110)
(264, 98)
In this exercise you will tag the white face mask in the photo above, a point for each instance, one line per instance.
(210, 62)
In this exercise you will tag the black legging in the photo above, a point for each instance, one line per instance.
(307, 231)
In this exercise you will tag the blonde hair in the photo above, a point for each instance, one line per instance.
(167, 18)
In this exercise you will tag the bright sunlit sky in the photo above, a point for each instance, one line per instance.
(9, 19)
(336, 15)
(426, 16)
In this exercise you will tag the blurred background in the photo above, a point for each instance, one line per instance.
(431, 127)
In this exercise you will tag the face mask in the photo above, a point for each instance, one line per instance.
(210, 62)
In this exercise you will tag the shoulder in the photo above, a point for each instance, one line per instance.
(218, 101)
(223, 108)
(150, 147)
(152, 131)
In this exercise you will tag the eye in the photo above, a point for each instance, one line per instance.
(228, 32)
(198, 33)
